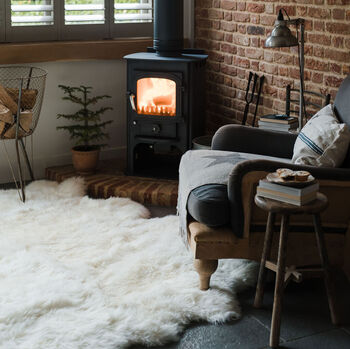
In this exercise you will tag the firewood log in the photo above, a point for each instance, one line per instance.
(28, 97)
(7, 101)
(11, 132)
(2, 127)
(5, 114)
(25, 121)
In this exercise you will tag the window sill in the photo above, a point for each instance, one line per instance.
(17, 53)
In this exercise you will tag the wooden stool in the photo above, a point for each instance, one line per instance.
(284, 275)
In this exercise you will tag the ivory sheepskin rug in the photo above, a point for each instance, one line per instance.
(82, 273)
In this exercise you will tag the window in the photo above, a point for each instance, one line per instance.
(2, 21)
(27, 13)
(132, 11)
(42, 20)
(83, 12)
(131, 17)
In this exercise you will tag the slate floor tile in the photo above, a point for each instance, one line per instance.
(158, 211)
(246, 333)
(305, 308)
(335, 339)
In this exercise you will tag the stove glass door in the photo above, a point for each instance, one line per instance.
(156, 96)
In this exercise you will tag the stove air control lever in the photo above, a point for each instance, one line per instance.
(132, 101)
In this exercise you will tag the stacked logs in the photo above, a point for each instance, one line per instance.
(9, 108)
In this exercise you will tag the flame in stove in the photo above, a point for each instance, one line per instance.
(156, 96)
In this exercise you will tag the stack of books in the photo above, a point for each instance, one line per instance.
(277, 122)
(290, 195)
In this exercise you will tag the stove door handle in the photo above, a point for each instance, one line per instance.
(132, 101)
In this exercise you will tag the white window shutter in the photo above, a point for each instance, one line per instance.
(44, 20)
(31, 20)
(133, 11)
(84, 12)
(2, 21)
(31, 13)
(131, 18)
(84, 20)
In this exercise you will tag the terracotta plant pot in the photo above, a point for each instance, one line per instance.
(85, 159)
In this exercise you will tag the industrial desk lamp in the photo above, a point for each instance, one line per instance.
(281, 36)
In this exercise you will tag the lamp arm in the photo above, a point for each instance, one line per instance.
(285, 12)
(296, 21)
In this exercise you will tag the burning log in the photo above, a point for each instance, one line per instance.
(163, 100)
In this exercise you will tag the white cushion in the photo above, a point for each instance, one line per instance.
(323, 141)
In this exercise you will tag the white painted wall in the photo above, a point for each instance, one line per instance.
(52, 147)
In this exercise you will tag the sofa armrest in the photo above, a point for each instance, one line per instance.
(329, 173)
(254, 140)
(241, 169)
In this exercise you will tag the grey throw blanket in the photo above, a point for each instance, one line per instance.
(200, 167)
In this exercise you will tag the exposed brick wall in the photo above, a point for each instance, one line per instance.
(233, 33)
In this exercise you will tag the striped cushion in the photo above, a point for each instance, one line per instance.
(323, 141)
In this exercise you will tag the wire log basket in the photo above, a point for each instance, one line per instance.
(21, 96)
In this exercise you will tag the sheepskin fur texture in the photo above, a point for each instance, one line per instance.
(78, 273)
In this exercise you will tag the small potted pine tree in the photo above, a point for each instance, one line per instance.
(87, 128)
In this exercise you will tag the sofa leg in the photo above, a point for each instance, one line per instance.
(205, 268)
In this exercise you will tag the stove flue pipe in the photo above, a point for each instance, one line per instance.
(168, 27)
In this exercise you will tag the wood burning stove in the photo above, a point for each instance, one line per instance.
(165, 108)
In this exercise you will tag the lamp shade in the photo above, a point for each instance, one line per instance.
(281, 36)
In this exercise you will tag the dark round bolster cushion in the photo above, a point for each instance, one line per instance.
(208, 204)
